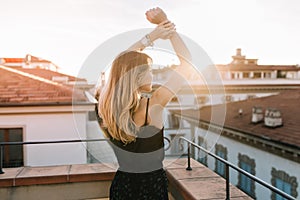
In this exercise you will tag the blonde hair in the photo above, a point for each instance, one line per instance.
(119, 98)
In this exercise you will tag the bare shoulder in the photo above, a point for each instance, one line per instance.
(171, 87)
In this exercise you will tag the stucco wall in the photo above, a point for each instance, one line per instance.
(49, 127)
(264, 161)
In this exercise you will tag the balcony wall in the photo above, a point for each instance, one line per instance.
(92, 181)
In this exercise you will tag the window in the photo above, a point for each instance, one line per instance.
(227, 98)
(221, 151)
(202, 156)
(232, 75)
(284, 182)
(13, 154)
(245, 183)
(268, 75)
(246, 75)
(201, 100)
(257, 75)
(92, 116)
(281, 74)
(173, 121)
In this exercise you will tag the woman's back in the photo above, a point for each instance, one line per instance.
(144, 154)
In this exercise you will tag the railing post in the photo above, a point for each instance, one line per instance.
(227, 182)
(189, 158)
(1, 159)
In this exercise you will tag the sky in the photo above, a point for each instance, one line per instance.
(66, 32)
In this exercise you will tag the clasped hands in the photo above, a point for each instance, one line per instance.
(165, 29)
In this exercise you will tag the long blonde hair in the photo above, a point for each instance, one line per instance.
(119, 98)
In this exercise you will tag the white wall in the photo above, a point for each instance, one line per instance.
(264, 161)
(47, 127)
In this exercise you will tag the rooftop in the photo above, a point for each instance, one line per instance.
(255, 67)
(286, 101)
(48, 74)
(12, 60)
(241, 63)
(20, 87)
(28, 58)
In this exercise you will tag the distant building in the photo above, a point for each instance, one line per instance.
(261, 127)
(259, 135)
(241, 79)
(197, 93)
(29, 62)
(38, 104)
(43, 68)
(243, 68)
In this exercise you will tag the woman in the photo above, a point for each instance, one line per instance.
(134, 123)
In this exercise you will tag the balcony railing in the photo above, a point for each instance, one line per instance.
(2, 144)
(229, 165)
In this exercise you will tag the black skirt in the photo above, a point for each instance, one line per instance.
(139, 186)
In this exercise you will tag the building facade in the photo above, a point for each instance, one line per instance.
(34, 107)
(267, 147)
(260, 131)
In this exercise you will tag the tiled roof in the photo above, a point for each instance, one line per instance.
(20, 88)
(48, 74)
(12, 60)
(36, 59)
(288, 102)
(21, 60)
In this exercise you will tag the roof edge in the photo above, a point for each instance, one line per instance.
(46, 104)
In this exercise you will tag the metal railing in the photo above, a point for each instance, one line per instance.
(2, 144)
(230, 165)
(190, 143)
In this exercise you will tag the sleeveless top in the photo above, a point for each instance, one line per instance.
(143, 155)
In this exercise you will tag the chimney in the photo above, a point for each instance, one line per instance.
(257, 114)
(238, 51)
(273, 118)
(27, 58)
(240, 112)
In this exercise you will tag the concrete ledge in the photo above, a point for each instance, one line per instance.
(56, 174)
(92, 181)
(199, 183)
(73, 182)
(61, 191)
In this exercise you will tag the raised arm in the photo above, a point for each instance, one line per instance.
(181, 73)
(182, 53)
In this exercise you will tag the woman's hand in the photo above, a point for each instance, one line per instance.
(156, 15)
(164, 31)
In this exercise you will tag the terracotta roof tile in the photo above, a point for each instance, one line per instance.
(13, 60)
(17, 87)
(288, 102)
(37, 59)
(48, 74)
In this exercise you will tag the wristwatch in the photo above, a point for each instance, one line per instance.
(146, 41)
